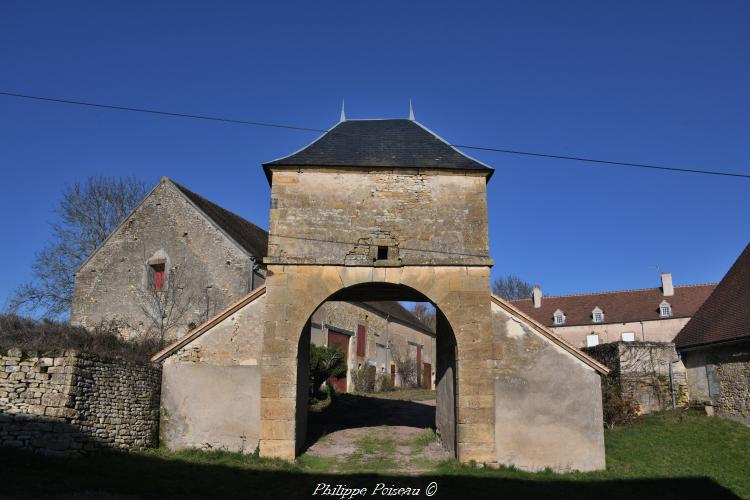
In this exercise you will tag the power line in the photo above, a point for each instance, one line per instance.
(164, 113)
(605, 162)
(311, 129)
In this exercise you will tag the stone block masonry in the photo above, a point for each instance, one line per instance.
(72, 402)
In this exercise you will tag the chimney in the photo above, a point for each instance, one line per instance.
(666, 284)
(537, 295)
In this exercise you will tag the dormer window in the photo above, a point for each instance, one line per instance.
(665, 310)
(597, 315)
(559, 318)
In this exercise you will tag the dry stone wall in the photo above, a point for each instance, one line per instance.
(70, 402)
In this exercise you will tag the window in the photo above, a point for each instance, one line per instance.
(597, 315)
(559, 318)
(628, 336)
(157, 275)
(592, 340)
(665, 310)
(382, 252)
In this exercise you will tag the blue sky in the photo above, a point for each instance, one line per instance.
(659, 82)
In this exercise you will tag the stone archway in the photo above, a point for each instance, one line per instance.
(461, 293)
(445, 359)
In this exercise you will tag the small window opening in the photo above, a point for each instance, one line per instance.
(382, 252)
(158, 275)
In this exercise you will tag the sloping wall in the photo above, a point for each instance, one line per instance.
(548, 406)
(211, 387)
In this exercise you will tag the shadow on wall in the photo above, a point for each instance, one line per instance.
(112, 475)
(349, 411)
(45, 435)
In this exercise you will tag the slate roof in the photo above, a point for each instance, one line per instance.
(618, 307)
(396, 143)
(398, 312)
(725, 316)
(249, 236)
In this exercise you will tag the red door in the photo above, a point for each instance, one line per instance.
(427, 376)
(393, 374)
(341, 340)
(419, 363)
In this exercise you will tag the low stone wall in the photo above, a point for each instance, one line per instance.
(70, 402)
(642, 371)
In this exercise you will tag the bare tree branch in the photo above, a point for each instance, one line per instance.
(511, 287)
(88, 212)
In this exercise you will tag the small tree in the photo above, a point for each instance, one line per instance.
(363, 378)
(325, 362)
(166, 305)
(406, 368)
(425, 313)
(88, 212)
(511, 287)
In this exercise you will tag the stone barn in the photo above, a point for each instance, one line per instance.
(384, 210)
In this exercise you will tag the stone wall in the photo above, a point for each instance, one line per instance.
(547, 404)
(720, 376)
(341, 216)
(70, 402)
(642, 371)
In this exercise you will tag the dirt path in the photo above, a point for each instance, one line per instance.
(370, 434)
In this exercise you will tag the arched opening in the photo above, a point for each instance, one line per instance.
(360, 320)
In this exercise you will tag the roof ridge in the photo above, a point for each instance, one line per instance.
(613, 292)
(180, 186)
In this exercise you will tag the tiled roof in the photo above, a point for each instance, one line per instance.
(398, 312)
(395, 143)
(618, 307)
(725, 315)
(249, 236)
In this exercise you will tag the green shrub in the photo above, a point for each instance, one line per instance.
(325, 362)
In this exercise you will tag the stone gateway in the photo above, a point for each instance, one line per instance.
(384, 210)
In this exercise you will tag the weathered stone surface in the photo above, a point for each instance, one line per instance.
(210, 406)
(548, 404)
(720, 376)
(642, 370)
(166, 228)
(89, 403)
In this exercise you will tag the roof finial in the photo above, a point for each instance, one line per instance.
(411, 111)
(342, 118)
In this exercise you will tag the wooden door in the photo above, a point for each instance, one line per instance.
(341, 340)
(393, 374)
(427, 376)
(419, 363)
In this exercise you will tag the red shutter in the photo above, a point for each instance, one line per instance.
(158, 275)
(419, 364)
(361, 340)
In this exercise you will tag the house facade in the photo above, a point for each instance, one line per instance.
(175, 261)
(715, 345)
(645, 315)
(377, 334)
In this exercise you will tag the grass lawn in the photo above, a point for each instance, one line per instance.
(662, 456)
